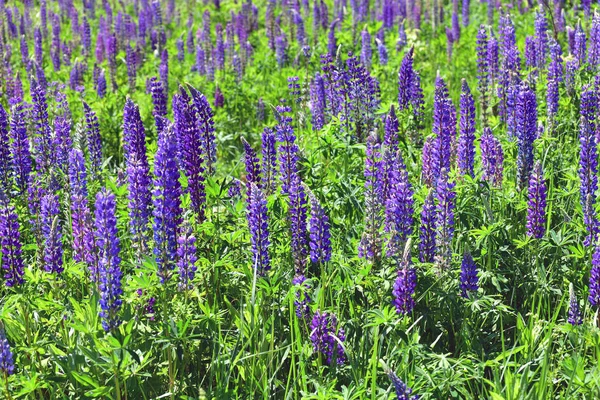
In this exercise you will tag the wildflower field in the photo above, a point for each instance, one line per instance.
(286, 199)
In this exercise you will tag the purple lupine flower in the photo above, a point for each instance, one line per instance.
(219, 50)
(5, 159)
(37, 47)
(130, 61)
(190, 150)
(455, 25)
(398, 208)
(200, 60)
(235, 189)
(417, 101)
(588, 171)
(81, 219)
(12, 268)
(19, 147)
(204, 120)
(7, 365)
(370, 242)
(594, 48)
(492, 158)
(252, 165)
(138, 175)
(574, 317)
(405, 80)
(382, 51)
(427, 162)
(404, 287)
(468, 275)
(318, 101)
(571, 69)
(492, 58)
(298, 219)
(390, 158)
(449, 43)
(163, 70)
(219, 98)
(536, 212)
(167, 202)
(260, 110)
(526, 128)
(159, 100)
(52, 233)
(594, 287)
(331, 40)
(402, 39)
(294, 89)
(186, 253)
(43, 144)
(269, 161)
(86, 37)
(301, 304)
(444, 222)
(100, 84)
(403, 392)
(579, 46)
(281, 50)
(109, 263)
(531, 58)
(466, 144)
(366, 53)
(555, 76)
(56, 43)
(324, 331)
(258, 224)
(288, 149)
(320, 237)
(444, 128)
(483, 73)
(541, 37)
(94, 140)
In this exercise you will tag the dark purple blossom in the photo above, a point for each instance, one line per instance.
(298, 222)
(526, 128)
(258, 224)
(186, 253)
(574, 317)
(320, 237)
(7, 365)
(159, 100)
(269, 161)
(403, 392)
(325, 335)
(404, 286)
(109, 261)
(371, 242)
(167, 203)
(138, 175)
(288, 149)
(492, 158)
(466, 143)
(10, 239)
(444, 222)
(405, 80)
(190, 150)
(468, 275)
(594, 287)
(93, 139)
(252, 164)
(51, 228)
(536, 212)
(398, 209)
